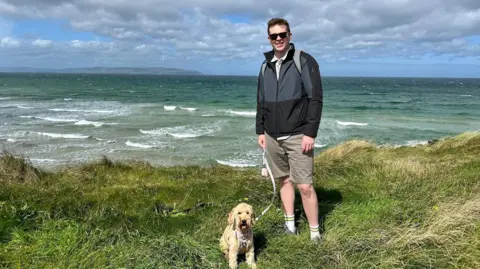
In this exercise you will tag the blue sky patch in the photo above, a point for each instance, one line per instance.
(237, 18)
(473, 39)
(51, 29)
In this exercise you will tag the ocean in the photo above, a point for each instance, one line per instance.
(63, 119)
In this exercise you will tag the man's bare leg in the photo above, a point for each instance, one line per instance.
(310, 205)
(287, 194)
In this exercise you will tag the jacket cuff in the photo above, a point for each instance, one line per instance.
(311, 130)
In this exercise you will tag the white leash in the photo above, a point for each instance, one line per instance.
(273, 183)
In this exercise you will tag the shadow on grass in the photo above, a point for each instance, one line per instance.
(260, 242)
(327, 201)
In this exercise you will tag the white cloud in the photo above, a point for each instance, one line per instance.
(84, 44)
(363, 44)
(142, 47)
(9, 42)
(42, 43)
(331, 30)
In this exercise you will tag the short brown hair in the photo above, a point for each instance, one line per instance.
(277, 21)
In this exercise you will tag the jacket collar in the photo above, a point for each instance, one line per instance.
(269, 54)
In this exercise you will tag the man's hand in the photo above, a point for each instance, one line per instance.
(261, 141)
(307, 143)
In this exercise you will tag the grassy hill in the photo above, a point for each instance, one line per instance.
(406, 207)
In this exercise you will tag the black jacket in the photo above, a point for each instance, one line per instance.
(293, 104)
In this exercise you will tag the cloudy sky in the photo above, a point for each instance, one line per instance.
(347, 37)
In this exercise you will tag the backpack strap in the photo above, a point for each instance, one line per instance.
(264, 65)
(296, 61)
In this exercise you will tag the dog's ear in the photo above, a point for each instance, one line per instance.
(230, 217)
(253, 218)
(234, 217)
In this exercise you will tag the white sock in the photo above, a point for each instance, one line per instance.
(290, 222)
(314, 232)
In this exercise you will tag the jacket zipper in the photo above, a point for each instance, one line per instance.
(276, 101)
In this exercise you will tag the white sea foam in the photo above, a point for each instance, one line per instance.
(413, 143)
(138, 145)
(107, 141)
(70, 136)
(320, 145)
(64, 110)
(98, 111)
(243, 113)
(17, 134)
(80, 110)
(186, 131)
(56, 119)
(7, 106)
(86, 122)
(240, 113)
(24, 107)
(186, 135)
(11, 140)
(237, 163)
(93, 107)
(350, 123)
(67, 99)
(37, 160)
(152, 132)
(5, 98)
(410, 143)
(466, 95)
(188, 108)
(52, 119)
(169, 107)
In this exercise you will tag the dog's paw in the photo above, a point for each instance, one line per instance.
(233, 265)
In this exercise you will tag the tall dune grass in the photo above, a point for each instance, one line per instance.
(405, 207)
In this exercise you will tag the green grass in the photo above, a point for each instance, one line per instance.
(407, 207)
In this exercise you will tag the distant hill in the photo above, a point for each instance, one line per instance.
(104, 70)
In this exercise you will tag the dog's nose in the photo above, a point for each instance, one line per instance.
(244, 221)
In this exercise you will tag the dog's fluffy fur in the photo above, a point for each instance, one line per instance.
(237, 237)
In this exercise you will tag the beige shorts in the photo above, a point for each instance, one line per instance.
(285, 158)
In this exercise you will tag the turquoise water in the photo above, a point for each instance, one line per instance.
(59, 119)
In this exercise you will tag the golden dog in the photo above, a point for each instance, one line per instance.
(237, 237)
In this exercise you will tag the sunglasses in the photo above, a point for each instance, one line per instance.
(281, 35)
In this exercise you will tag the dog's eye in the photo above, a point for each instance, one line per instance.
(239, 213)
(248, 212)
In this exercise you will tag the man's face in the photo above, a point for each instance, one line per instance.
(279, 37)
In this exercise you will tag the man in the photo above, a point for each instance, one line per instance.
(289, 107)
